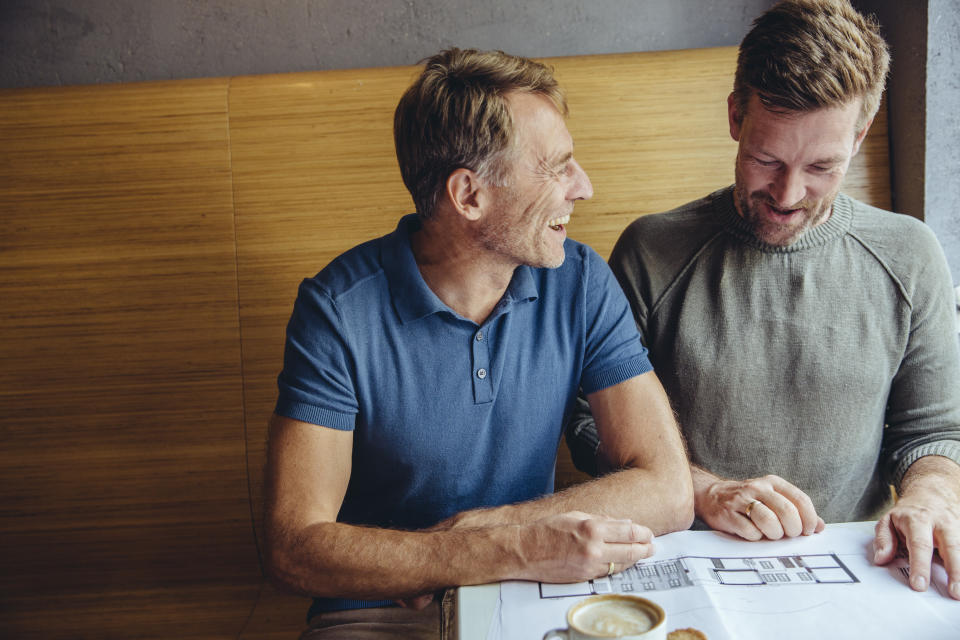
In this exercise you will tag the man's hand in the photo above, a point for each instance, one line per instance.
(767, 507)
(926, 516)
(575, 546)
(418, 603)
(568, 547)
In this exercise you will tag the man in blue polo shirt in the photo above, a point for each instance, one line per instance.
(428, 374)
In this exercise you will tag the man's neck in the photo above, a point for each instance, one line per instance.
(458, 272)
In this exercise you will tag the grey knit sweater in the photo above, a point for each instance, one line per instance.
(832, 362)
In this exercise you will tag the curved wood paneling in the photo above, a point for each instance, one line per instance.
(125, 494)
(152, 237)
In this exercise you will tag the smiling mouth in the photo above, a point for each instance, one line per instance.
(782, 212)
(557, 223)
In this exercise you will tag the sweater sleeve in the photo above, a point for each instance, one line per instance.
(923, 410)
(581, 430)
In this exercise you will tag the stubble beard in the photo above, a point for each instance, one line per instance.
(772, 233)
(522, 243)
(506, 239)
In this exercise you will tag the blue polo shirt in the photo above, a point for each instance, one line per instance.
(448, 415)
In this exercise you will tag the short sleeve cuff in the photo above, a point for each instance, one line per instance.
(316, 415)
(636, 366)
(946, 448)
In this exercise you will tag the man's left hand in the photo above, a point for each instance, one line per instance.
(927, 516)
(416, 603)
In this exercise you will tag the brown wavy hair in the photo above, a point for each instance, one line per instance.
(803, 55)
(455, 116)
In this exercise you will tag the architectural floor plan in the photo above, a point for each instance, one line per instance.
(685, 571)
(819, 586)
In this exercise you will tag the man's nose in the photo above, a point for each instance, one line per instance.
(787, 188)
(582, 188)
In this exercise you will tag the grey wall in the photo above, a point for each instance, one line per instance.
(922, 95)
(57, 42)
(942, 169)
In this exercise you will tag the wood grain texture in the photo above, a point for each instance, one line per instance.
(125, 509)
(152, 237)
(315, 173)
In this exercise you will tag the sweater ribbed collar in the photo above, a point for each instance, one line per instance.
(836, 225)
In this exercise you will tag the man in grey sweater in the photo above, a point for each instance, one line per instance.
(806, 340)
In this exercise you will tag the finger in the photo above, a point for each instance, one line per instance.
(809, 520)
(622, 556)
(767, 521)
(918, 536)
(821, 525)
(625, 531)
(948, 544)
(786, 512)
(629, 554)
(885, 541)
(740, 524)
(625, 554)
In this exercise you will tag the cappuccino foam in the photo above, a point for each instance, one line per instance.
(613, 618)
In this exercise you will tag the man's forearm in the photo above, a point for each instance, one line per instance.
(329, 559)
(332, 559)
(639, 495)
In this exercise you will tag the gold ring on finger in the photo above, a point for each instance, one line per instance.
(750, 507)
(610, 569)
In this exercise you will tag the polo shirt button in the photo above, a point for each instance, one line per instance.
(481, 373)
(479, 336)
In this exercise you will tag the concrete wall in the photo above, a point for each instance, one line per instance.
(59, 42)
(922, 94)
(942, 168)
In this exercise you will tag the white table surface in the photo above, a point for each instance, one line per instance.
(476, 606)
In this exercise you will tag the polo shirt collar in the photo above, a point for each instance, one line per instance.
(413, 299)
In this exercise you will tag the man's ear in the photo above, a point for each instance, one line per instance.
(463, 191)
(860, 136)
(734, 116)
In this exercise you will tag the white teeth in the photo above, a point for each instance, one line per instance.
(556, 222)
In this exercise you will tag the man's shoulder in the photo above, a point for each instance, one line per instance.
(904, 247)
(579, 268)
(697, 217)
(357, 266)
(578, 255)
(894, 237)
(666, 241)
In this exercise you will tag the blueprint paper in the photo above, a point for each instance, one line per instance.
(819, 586)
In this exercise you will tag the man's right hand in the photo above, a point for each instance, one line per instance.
(754, 509)
(576, 546)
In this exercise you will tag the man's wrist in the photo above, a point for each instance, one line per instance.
(703, 481)
(931, 473)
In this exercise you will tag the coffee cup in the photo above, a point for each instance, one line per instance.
(613, 616)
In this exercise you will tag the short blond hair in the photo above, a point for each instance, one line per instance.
(803, 55)
(455, 116)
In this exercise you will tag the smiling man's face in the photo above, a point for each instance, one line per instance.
(790, 166)
(528, 217)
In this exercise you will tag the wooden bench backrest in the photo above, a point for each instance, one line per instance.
(152, 237)
(315, 173)
(123, 458)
